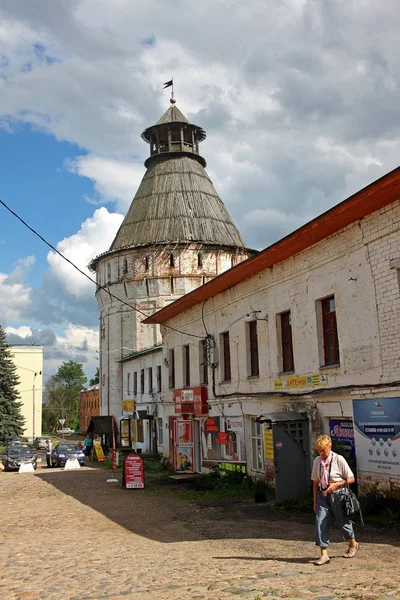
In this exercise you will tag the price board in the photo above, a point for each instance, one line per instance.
(133, 472)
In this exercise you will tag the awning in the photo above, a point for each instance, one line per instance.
(278, 417)
(102, 426)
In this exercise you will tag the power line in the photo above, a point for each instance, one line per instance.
(99, 287)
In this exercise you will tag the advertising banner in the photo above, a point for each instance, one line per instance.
(342, 435)
(222, 439)
(99, 451)
(133, 473)
(377, 434)
(183, 442)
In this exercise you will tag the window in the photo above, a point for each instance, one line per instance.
(186, 366)
(203, 362)
(140, 430)
(200, 260)
(146, 263)
(159, 376)
(253, 348)
(171, 368)
(171, 260)
(128, 383)
(257, 449)
(125, 267)
(172, 285)
(287, 345)
(150, 379)
(226, 356)
(108, 271)
(329, 331)
(142, 381)
(160, 432)
(135, 383)
(146, 281)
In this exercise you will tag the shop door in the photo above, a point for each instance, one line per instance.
(292, 460)
(184, 446)
(171, 445)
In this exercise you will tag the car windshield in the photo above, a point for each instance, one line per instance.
(19, 450)
(67, 447)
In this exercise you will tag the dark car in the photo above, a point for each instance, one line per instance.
(17, 454)
(62, 452)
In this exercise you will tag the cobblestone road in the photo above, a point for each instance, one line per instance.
(69, 535)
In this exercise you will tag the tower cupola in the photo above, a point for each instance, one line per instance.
(173, 134)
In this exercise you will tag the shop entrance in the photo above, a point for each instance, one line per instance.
(291, 454)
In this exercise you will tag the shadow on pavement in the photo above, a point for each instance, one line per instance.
(167, 518)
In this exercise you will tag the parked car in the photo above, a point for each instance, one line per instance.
(65, 431)
(14, 441)
(16, 454)
(40, 442)
(62, 452)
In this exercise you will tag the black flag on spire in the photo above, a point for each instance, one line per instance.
(168, 84)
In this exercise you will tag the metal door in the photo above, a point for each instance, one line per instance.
(292, 459)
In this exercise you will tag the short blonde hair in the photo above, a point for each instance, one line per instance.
(323, 441)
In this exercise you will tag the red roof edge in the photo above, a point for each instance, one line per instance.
(374, 196)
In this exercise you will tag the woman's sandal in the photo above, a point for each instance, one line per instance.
(351, 552)
(323, 560)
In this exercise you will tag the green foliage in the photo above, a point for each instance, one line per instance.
(61, 396)
(11, 420)
(96, 379)
(379, 509)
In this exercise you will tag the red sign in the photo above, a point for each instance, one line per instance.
(191, 401)
(133, 476)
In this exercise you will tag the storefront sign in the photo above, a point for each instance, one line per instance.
(296, 382)
(133, 472)
(191, 401)
(268, 443)
(128, 405)
(227, 466)
(377, 434)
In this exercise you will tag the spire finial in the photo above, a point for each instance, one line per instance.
(170, 83)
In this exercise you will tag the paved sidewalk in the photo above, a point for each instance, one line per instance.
(68, 535)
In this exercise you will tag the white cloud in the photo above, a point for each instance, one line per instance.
(113, 180)
(93, 238)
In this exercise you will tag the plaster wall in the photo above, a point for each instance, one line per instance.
(29, 363)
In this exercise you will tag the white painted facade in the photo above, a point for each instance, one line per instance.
(144, 279)
(359, 265)
(29, 363)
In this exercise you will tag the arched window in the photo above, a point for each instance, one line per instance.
(146, 263)
(125, 267)
(200, 260)
(108, 271)
(171, 260)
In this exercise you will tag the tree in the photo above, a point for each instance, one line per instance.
(11, 420)
(61, 396)
(96, 379)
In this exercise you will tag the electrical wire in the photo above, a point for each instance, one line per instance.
(99, 287)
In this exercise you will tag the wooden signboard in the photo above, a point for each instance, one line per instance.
(133, 472)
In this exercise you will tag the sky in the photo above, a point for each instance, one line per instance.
(300, 100)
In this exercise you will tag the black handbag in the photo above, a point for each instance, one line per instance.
(351, 504)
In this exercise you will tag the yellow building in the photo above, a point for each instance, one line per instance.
(29, 363)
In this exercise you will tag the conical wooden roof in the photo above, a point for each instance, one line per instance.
(176, 201)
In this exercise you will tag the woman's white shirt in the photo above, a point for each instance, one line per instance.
(339, 469)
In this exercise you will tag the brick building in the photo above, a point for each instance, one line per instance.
(302, 339)
(89, 406)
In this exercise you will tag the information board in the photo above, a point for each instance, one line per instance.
(133, 472)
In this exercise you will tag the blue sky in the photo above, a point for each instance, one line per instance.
(301, 110)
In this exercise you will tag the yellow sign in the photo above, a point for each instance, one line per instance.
(128, 405)
(99, 452)
(296, 382)
(268, 444)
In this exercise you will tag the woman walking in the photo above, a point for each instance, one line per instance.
(330, 474)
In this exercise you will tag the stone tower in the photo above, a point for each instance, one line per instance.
(177, 234)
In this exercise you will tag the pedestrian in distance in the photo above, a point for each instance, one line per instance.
(88, 444)
(330, 475)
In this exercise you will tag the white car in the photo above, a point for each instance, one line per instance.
(65, 431)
